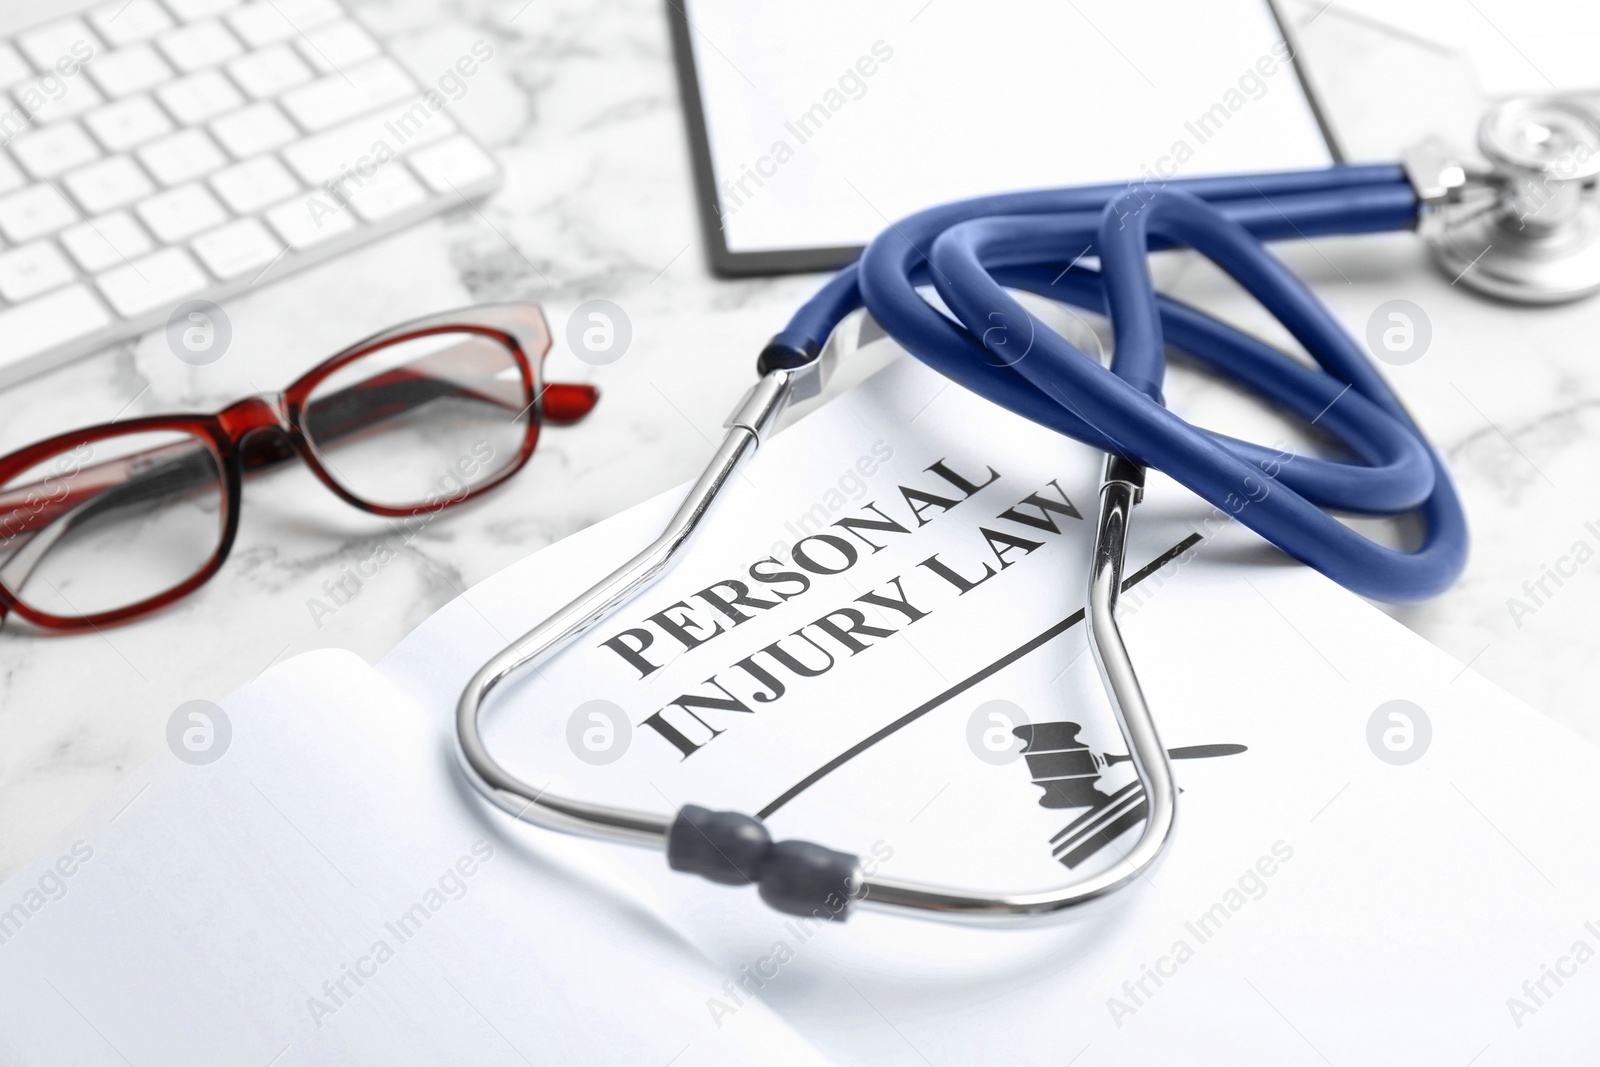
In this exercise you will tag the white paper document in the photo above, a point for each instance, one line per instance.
(326, 892)
(1512, 46)
(876, 644)
(1311, 883)
(825, 119)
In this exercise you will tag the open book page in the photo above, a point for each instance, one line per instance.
(326, 892)
(884, 614)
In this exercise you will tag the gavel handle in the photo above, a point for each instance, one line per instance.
(1190, 752)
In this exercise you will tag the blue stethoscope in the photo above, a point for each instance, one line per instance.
(1527, 225)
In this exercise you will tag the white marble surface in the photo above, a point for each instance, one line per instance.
(581, 107)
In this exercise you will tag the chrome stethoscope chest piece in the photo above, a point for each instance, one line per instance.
(1527, 228)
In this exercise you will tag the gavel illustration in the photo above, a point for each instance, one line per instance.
(1069, 773)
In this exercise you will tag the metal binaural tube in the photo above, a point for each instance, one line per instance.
(1119, 491)
(755, 416)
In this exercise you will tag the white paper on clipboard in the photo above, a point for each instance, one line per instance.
(827, 120)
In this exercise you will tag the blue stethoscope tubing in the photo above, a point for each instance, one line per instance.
(973, 251)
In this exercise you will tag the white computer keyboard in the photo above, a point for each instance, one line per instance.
(161, 151)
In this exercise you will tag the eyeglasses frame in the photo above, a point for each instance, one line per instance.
(520, 327)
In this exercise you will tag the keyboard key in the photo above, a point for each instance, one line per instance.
(338, 46)
(329, 155)
(200, 45)
(180, 213)
(54, 41)
(111, 183)
(34, 212)
(54, 149)
(154, 281)
(10, 176)
(389, 191)
(236, 248)
(129, 70)
(260, 24)
(106, 241)
(33, 269)
(253, 130)
(199, 97)
(451, 166)
(13, 68)
(304, 15)
(193, 10)
(128, 123)
(308, 222)
(126, 21)
(49, 102)
(185, 155)
(249, 187)
(269, 72)
(51, 321)
(335, 99)
(191, 148)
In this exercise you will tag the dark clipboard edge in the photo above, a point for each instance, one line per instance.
(726, 263)
(1319, 110)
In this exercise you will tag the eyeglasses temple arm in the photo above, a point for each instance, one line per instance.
(409, 386)
(187, 465)
(173, 478)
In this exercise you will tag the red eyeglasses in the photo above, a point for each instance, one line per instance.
(107, 523)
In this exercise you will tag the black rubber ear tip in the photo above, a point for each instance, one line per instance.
(794, 877)
(800, 878)
(723, 846)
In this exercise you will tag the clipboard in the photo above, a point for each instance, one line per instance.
(1297, 123)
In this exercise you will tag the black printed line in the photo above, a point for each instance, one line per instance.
(967, 683)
